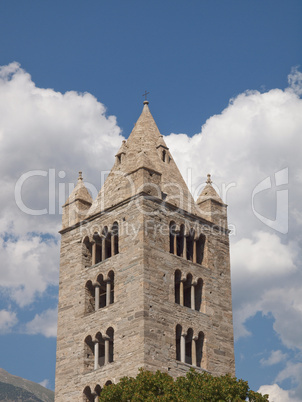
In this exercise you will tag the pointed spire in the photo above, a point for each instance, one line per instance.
(144, 150)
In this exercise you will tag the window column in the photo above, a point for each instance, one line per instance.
(193, 295)
(194, 250)
(108, 291)
(194, 359)
(106, 338)
(96, 354)
(93, 253)
(112, 244)
(175, 243)
(184, 250)
(181, 292)
(96, 296)
(183, 348)
(103, 248)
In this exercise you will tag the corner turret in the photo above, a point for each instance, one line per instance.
(77, 204)
(211, 206)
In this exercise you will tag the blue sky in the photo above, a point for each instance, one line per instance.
(225, 87)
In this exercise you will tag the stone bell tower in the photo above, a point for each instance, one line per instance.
(144, 274)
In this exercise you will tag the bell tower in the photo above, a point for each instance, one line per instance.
(144, 274)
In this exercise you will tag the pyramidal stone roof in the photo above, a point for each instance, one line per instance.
(79, 193)
(144, 149)
(209, 192)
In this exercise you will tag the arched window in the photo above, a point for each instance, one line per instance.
(88, 395)
(187, 291)
(200, 244)
(110, 289)
(198, 294)
(188, 347)
(100, 350)
(177, 278)
(164, 155)
(180, 241)
(190, 245)
(87, 252)
(108, 383)
(102, 291)
(88, 354)
(172, 235)
(178, 342)
(89, 297)
(115, 234)
(106, 242)
(97, 249)
(110, 335)
(97, 390)
(199, 350)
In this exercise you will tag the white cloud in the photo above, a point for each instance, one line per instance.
(295, 80)
(50, 132)
(277, 394)
(44, 324)
(29, 265)
(40, 130)
(256, 136)
(252, 139)
(291, 372)
(275, 357)
(8, 320)
(44, 383)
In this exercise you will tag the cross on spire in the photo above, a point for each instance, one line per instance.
(209, 181)
(145, 95)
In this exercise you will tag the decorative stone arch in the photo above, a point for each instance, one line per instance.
(109, 382)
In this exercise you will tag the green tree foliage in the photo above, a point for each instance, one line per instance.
(149, 387)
